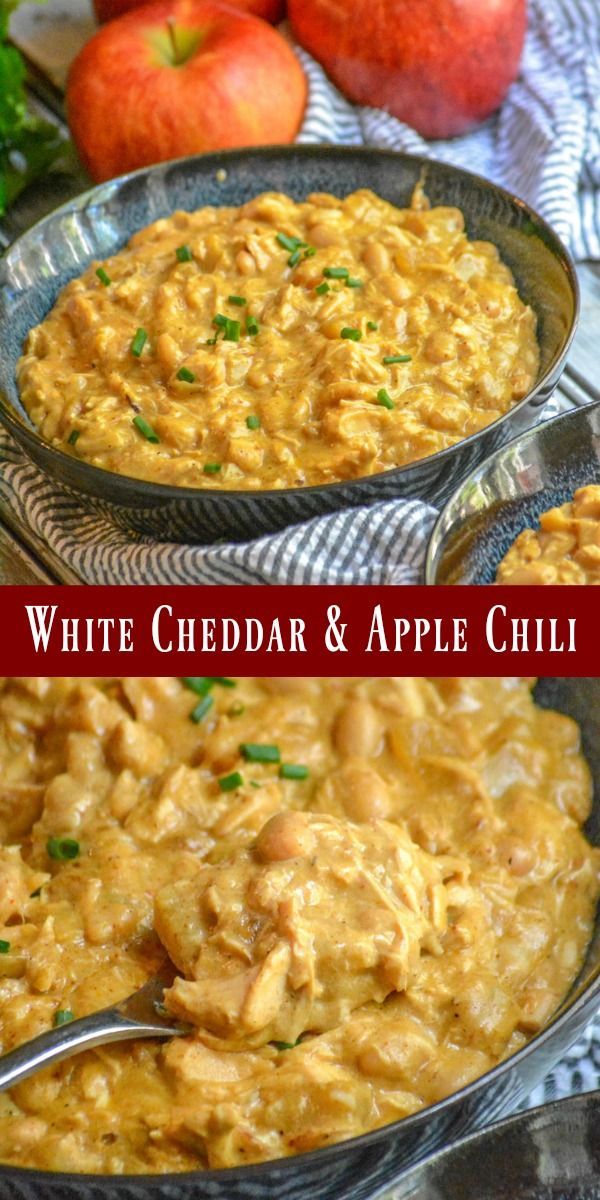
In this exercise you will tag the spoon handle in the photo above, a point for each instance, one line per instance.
(108, 1025)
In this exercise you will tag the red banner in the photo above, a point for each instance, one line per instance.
(300, 631)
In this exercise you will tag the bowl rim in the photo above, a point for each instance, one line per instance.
(147, 489)
(430, 570)
(548, 1108)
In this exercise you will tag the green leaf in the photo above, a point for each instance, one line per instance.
(29, 146)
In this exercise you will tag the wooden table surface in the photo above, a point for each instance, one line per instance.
(49, 36)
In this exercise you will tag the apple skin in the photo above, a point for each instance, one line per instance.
(441, 66)
(129, 106)
(270, 10)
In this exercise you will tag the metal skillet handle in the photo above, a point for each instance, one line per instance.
(138, 1016)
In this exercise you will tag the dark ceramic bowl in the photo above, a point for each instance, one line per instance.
(99, 222)
(549, 1153)
(360, 1168)
(508, 493)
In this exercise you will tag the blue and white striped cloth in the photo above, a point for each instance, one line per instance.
(544, 144)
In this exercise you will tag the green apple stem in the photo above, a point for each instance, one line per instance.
(173, 40)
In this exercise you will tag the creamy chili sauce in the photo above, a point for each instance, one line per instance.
(565, 548)
(391, 900)
(281, 344)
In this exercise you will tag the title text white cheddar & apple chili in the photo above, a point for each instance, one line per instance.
(281, 344)
(367, 893)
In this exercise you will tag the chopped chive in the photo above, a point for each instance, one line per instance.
(73, 437)
(396, 358)
(211, 341)
(236, 709)
(353, 335)
(239, 300)
(201, 684)
(229, 783)
(294, 258)
(322, 289)
(258, 753)
(220, 320)
(354, 283)
(199, 712)
(252, 326)
(211, 468)
(285, 1045)
(372, 325)
(253, 422)
(105, 279)
(4, 946)
(336, 272)
(385, 399)
(34, 895)
(185, 375)
(231, 333)
(310, 251)
(145, 429)
(184, 254)
(289, 243)
(62, 1017)
(62, 849)
(139, 342)
(293, 771)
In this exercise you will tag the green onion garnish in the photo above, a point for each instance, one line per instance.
(310, 251)
(199, 712)
(185, 375)
(4, 946)
(372, 325)
(105, 279)
(253, 422)
(385, 399)
(228, 783)
(201, 684)
(353, 335)
(62, 1017)
(354, 283)
(62, 849)
(252, 326)
(396, 358)
(145, 429)
(293, 771)
(34, 895)
(184, 254)
(211, 341)
(294, 258)
(239, 300)
(211, 468)
(336, 272)
(220, 320)
(258, 753)
(231, 333)
(289, 243)
(285, 1045)
(322, 289)
(139, 342)
(73, 436)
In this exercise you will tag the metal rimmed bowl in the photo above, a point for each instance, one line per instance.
(98, 223)
(509, 492)
(359, 1168)
(549, 1153)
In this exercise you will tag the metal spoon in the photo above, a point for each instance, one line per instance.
(140, 1015)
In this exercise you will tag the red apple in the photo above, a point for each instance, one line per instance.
(439, 65)
(269, 10)
(180, 77)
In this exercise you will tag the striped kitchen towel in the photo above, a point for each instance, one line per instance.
(545, 145)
